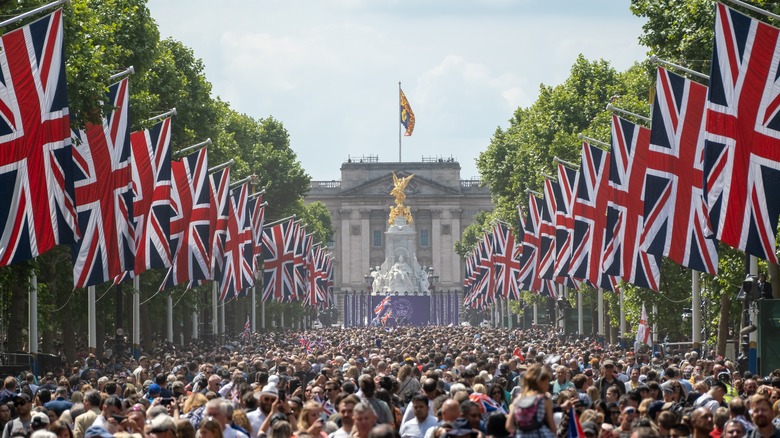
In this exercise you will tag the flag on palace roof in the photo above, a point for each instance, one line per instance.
(407, 116)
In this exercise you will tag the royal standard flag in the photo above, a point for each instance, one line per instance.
(407, 116)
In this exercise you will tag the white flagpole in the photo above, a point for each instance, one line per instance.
(169, 316)
(91, 328)
(600, 330)
(622, 315)
(399, 121)
(695, 309)
(136, 314)
(33, 12)
(33, 321)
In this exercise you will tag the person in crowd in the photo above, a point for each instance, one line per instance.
(533, 407)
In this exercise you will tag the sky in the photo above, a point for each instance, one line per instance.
(329, 69)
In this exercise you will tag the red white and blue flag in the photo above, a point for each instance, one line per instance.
(219, 208)
(190, 221)
(590, 206)
(529, 260)
(247, 330)
(564, 219)
(486, 404)
(104, 196)
(256, 208)
(303, 245)
(151, 165)
(381, 306)
(547, 231)
(305, 344)
(37, 207)
(237, 274)
(622, 255)
(575, 428)
(279, 262)
(676, 222)
(742, 149)
(505, 261)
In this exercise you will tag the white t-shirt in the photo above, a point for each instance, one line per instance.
(414, 429)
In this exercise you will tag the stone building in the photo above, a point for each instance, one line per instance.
(442, 206)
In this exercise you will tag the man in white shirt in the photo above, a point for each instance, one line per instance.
(346, 406)
(422, 421)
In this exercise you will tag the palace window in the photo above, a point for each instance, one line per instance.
(376, 240)
(424, 238)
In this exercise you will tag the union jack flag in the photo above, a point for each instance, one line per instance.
(190, 222)
(151, 164)
(589, 216)
(381, 306)
(486, 404)
(237, 274)
(303, 244)
(104, 199)
(676, 221)
(247, 330)
(530, 259)
(564, 219)
(279, 261)
(305, 344)
(256, 208)
(547, 231)
(622, 255)
(483, 287)
(506, 263)
(318, 278)
(219, 194)
(37, 208)
(387, 316)
(742, 148)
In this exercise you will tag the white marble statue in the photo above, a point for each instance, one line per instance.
(400, 277)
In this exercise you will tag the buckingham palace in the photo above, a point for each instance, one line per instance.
(442, 205)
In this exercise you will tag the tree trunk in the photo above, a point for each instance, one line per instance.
(723, 325)
(20, 293)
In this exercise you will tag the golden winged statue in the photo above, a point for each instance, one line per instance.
(399, 185)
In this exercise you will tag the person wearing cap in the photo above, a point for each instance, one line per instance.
(161, 426)
(39, 421)
(23, 421)
(265, 404)
(97, 432)
(607, 379)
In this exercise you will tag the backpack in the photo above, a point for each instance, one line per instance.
(525, 413)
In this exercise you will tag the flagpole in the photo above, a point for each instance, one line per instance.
(33, 321)
(614, 109)
(600, 329)
(172, 112)
(169, 307)
(594, 141)
(219, 167)
(129, 71)
(33, 12)
(91, 328)
(136, 316)
(194, 147)
(752, 8)
(580, 322)
(665, 63)
(622, 314)
(399, 122)
(696, 309)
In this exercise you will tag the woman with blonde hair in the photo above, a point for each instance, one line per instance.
(210, 428)
(531, 413)
(408, 385)
(311, 421)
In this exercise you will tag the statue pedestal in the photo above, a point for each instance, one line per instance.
(400, 272)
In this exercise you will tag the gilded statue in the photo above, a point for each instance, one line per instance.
(399, 185)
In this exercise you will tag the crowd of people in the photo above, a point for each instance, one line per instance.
(409, 382)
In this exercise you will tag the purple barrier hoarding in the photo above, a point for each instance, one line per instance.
(358, 309)
(404, 310)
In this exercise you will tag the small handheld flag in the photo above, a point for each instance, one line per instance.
(575, 428)
(643, 332)
(407, 116)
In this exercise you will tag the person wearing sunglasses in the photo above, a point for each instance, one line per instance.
(627, 416)
(23, 421)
